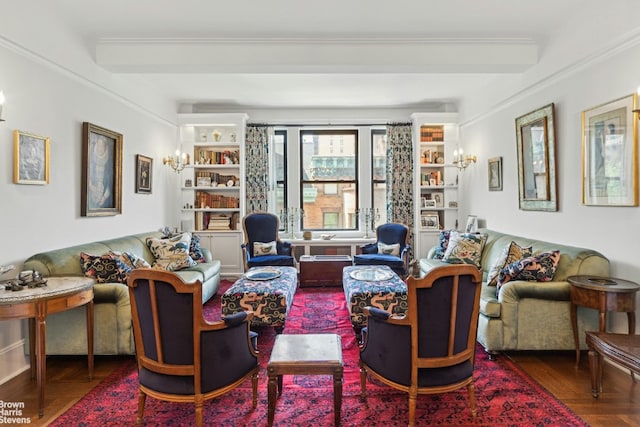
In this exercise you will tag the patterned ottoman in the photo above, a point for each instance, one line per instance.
(374, 286)
(270, 300)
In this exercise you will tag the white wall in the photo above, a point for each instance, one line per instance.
(47, 100)
(489, 131)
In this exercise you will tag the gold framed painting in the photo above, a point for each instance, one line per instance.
(610, 154)
(101, 171)
(537, 186)
(30, 158)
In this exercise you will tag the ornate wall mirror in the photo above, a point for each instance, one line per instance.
(536, 160)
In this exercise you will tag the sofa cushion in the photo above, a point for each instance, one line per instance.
(511, 253)
(171, 254)
(537, 268)
(195, 251)
(104, 268)
(465, 248)
(131, 260)
(385, 249)
(262, 248)
(443, 243)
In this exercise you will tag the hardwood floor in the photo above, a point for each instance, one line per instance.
(618, 405)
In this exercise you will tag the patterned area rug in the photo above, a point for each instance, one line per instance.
(505, 395)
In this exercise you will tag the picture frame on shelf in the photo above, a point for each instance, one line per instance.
(144, 174)
(430, 221)
(101, 184)
(438, 199)
(31, 155)
(610, 153)
(535, 135)
(472, 224)
(453, 204)
(428, 203)
(495, 174)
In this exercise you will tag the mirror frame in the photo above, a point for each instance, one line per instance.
(545, 117)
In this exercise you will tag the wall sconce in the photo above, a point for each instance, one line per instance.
(177, 162)
(1, 104)
(462, 161)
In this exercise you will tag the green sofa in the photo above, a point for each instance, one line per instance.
(531, 315)
(66, 331)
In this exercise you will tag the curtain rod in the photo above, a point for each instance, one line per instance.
(292, 125)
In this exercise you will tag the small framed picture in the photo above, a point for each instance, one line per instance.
(438, 199)
(495, 174)
(144, 174)
(30, 158)
(428, 203)
(472, 224)
(430, 221)
(453, 204)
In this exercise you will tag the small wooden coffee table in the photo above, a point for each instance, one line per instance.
(620, 348)
(305, 354)
(323, 270)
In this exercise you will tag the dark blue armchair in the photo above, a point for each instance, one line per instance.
(262, 246)
(391, 249)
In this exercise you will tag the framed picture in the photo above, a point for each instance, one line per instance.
(144, 174)
(430, 221)
(610, 154)
(495, 174)
(30, 158)
(472, 224)
(535, 133)
(428, 203)
(438, 198)
(101, 171)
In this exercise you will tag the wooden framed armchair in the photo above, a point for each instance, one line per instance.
(182, 357)
(431, 349)
(391, 248)
(262, 245)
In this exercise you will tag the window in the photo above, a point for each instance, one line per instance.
(379, 174)
(329, 178)
(280, 165)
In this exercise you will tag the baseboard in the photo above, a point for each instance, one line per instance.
(12, 361)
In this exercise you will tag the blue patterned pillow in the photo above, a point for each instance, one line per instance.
(537, 268)
(465, 248)
(443, 242)
(195, 252)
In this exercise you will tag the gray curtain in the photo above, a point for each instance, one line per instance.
(400, 175)
(257, 168)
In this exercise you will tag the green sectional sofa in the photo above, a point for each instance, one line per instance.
(66, 331)
(531, 315)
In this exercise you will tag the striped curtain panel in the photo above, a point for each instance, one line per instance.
(257, 168)
(400, 175)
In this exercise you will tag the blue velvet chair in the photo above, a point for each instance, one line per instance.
(388, 234)
(261, 228)
(431, 349)
(182, 357)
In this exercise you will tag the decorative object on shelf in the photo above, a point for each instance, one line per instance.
(30, 158)
(6, 268)
(430, 221)
(462, 161)
(2, 99)
(610, 160)
(233, 137)
(453, 204)
(472, 224)
(537, 160)
(327, 236)
(101, 191)
(289, 216)
(370, 216)
(437, 198)
(144, 174)
(177, 162)
(188, 183)
(217, 135)
(307, 235)
(495, 174)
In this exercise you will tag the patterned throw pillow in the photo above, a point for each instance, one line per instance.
(511, 253)
(393, 249)
(537, 268)
(261, 249)
(104, 268)
(465, 248)
(195, 252)
(171, 254)
(443, 243)
(131, 260)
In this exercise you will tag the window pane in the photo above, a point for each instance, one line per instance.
(380, 202)
(379, 174)
(341, 204)
(279, 148)
(329, 155)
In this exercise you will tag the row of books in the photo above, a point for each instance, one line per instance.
(227, 157)
(208, 200)
(209, 221)
(212, 179)
(431, 133)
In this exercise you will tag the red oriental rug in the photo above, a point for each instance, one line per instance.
(505, 395)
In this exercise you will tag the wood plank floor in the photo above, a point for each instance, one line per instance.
(618, 405)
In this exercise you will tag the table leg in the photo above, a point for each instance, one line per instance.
(271, 397)
(337, 396)
(593, 370)
(90, 338)
(631, 322)
(41, 356)
(574, 326)
(32, 347)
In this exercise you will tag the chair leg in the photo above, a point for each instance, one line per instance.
(413, 394)
(363, 384)
(141, 399)
(472, 398)
(254, 386)
(199, 417)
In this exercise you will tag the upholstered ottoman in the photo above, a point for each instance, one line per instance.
(375, 286)
(269, 298)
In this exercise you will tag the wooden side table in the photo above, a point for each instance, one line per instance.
(60, 294)
(622, 349)
(305, 354)
(323, 270)
(603, 294)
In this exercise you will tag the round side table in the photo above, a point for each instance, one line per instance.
(603, 294)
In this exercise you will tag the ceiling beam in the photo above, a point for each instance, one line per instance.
(397, 55)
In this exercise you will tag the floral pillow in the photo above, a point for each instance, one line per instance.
(537, 268)
(393, 249)
(511, 253)
(195, 252)
(443, 243)
(171, 254)
(465, 248)
(262, 249)
(104, 268)
(130, 259)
